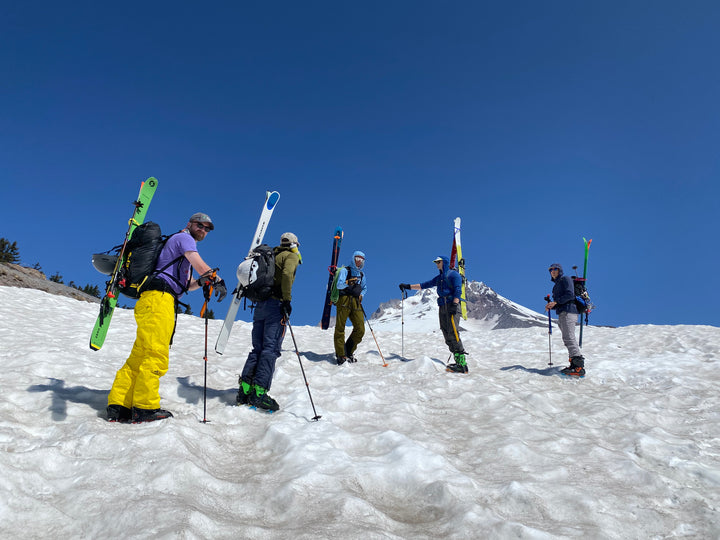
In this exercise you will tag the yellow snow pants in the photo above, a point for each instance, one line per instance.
(137, 383)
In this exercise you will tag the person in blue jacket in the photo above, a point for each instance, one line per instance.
(352, 287)
(563, 303)
(449, 290)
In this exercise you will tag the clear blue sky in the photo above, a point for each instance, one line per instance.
(539, 123)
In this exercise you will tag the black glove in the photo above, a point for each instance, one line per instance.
(205, 280)
(286, 308)
(404, 286)
(452, 308)
(355, 290)
(220, 290)
(216, 283)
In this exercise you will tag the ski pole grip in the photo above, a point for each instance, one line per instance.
(547, 298)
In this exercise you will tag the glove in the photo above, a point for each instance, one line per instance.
(355, 290)
(453, 308)
(220, 290)
(404, 286)
(286, 308)
(202, 281)
(217, 283)
(206, 290)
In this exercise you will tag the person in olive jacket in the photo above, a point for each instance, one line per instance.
(269, 319)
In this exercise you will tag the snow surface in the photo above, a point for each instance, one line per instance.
(407, 451)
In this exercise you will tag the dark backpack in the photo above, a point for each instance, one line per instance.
(256, 274)
(335, 293)
(582, 298)
(142, 252)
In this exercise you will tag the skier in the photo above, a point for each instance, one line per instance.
(352, 288)
(563, 303)
(269, 329)
(135, 393)
(449, 290)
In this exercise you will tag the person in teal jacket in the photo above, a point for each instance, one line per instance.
(352, 288)
(449, 290)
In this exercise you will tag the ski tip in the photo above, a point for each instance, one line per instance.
(272, 199)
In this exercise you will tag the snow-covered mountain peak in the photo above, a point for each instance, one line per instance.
(486, 308)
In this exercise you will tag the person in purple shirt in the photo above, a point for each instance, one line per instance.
(135, 393)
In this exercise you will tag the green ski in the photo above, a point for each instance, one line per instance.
(109, 301)
(584, 277)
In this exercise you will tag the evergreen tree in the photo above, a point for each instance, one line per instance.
(56, 277)
(9, 252)
(92, 290)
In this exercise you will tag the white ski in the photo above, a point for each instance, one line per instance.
(271, 199)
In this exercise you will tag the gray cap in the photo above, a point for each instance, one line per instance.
(289, 238)
(202, 217)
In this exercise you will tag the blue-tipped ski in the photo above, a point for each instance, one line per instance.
(271, 199)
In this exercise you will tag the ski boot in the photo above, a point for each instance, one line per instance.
(349, 346)
(576, 367)
(118, 413)
(140, 416)
(244, 391)
(260, 399)
(460, 365)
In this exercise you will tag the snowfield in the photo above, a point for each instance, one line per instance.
(405, 451)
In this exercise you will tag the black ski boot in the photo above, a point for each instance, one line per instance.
(460, 365)
(349, 344)
(572, 371)
(260, 399)
(140, 416)
(246, 388)
(118, 413)
(576, 367)
(341, 360)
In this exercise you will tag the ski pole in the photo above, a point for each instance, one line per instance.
(317, 416)
(205, 420)
(402, 324)
(207, 292)
(385, 364)
(547, 300)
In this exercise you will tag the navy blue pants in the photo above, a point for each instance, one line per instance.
(267, 337)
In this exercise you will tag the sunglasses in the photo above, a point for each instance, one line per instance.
(203, 227)
(553, 269)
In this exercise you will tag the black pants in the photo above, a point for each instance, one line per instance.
(450, 326)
